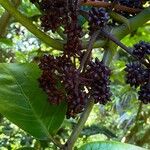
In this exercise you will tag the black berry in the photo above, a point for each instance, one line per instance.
(136, 74)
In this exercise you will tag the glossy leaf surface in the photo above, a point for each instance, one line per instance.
(24, 103)
(109, 145)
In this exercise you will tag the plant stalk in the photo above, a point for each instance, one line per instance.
(70, 143)
(124, 47)
(5, 18)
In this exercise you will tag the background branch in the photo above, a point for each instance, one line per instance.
(124, 47)
(5, 18)
(111, 5)
(134, 24)
(89, 50)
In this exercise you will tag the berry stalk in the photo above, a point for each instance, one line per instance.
(128, 50)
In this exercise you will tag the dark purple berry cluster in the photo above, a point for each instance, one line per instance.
(71, 78)
(73, 31)
(138, 75)
(74, 87)
(49, 79)
(144, 93)
(130, 3)
(98, 18)
(141, 50)
(98, 81)
(63, 13)
(78, 86)
(61, 78)
(54, 13)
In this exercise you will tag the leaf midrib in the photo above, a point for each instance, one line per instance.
(27, 101)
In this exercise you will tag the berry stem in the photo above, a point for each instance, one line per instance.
(138, 112)
(115, 40)
(30, 26)
(5, 18)
(117, 7)
(76, 131)
(128, 50)
(89, 50)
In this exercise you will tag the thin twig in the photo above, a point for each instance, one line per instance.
(124, 47)
(133, 129)
(5, 19)
(79, 127)
(89, 50)
(55, 142)
(117, 7)
(138, 112)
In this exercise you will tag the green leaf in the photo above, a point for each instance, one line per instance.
(5, 41)
(109, 145)
(25, 104)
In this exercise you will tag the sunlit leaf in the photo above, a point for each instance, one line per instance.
(109, 145)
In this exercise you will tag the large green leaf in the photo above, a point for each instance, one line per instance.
(25, 104)
(109, 145)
